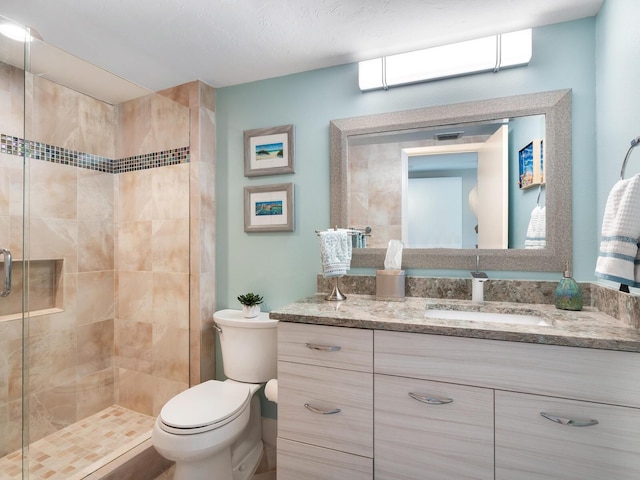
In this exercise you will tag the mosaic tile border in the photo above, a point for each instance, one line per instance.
(50, 153)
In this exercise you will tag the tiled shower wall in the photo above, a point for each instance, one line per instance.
(124, 333)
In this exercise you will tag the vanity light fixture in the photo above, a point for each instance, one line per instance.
(474, 56)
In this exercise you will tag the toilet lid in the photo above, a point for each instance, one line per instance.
(205, 404)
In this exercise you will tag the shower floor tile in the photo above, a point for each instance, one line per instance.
(77, 450)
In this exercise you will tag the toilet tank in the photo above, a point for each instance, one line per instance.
(249, 346)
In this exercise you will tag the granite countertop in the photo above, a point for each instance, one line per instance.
(588, 328)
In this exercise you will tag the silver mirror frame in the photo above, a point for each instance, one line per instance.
(555, 105)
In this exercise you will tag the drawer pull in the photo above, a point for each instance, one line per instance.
(321, 412)
(569, 422)
(430, 399)
(324, 348)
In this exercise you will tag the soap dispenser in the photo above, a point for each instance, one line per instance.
(568, 295)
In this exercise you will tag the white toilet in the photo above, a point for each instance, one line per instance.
(213, 430)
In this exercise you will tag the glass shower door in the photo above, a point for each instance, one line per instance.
(13, 257)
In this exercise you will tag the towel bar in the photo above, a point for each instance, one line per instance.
(634, 142)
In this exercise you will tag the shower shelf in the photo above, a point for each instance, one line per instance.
(46, 289)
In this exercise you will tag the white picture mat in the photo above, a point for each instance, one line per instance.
(262, 220)
(267, 139)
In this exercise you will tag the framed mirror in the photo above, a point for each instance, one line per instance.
(443, 147)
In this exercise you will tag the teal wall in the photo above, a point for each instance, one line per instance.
(618, 96)
(283, 266)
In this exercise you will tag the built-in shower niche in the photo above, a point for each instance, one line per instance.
(45, 289)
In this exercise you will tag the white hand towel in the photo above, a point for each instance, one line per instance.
(335, 252)
(537, 230)
(619, 257)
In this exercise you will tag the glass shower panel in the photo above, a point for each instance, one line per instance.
(13, 260)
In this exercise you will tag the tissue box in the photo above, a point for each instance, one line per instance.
(390, 285)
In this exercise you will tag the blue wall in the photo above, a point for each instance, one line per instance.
(283, 266)
(618, 95)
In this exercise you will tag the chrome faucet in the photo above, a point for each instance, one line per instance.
(477, 283)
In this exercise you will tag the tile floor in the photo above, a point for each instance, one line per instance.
(75, 451)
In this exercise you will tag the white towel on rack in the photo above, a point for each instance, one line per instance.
(335, 252)
(619, 257)
(537, 230)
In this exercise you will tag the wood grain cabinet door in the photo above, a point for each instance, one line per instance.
(432, 430)
(566, 443)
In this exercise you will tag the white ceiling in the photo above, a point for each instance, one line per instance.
(163, 43)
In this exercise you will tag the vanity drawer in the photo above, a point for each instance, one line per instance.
(337, 347)
(325, 390)
(298, 461)
(530, 447)
(447, 432)
(580, 373)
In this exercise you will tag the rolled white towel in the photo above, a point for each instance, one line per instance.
(619, 256)
(537, 230)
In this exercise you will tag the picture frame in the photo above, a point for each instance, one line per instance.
(268, 151)
(268, 208)
(531, 164)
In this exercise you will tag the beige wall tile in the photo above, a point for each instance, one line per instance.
(134, 345)
(134, 246)
(134, 198)
(170, 245)
(55, 115)
(51, 410)
(135, 296)
(53, 191)
(95, 297)
(135, 391)
(97, 127)
(95, 246)
(171, 299)
(171, 353)
(170, 192)
(164, 390)
(96, 195)
(95, 347)
(11, 100)
(95, 392)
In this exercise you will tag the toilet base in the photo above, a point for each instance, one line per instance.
(216, 467)
(247, 467)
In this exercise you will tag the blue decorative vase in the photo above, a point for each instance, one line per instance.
(568, 295)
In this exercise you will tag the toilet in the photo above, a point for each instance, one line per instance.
(213, 430)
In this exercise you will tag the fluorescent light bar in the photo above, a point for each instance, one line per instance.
(473, 56)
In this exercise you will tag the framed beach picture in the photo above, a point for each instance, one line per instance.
(268, 208)
(268, 151)
(531, 164)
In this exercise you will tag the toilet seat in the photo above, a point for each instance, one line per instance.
(204, 407)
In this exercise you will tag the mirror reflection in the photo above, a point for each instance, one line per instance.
(461, 186)
(534, 130)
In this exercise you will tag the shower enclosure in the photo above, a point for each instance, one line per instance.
(106, 226)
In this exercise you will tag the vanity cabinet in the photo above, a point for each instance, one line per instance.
(572, 386)
(325, 402)
(364, 404)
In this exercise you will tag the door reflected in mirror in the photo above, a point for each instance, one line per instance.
(445, 187)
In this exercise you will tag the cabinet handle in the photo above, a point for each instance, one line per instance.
(321, 412)
(324, 348)
(430, 399)
(569, 422)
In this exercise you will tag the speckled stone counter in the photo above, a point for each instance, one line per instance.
(589, 328)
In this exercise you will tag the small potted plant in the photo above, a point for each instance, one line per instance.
(250, 304)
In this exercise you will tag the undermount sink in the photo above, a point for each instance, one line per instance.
(493, 317)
